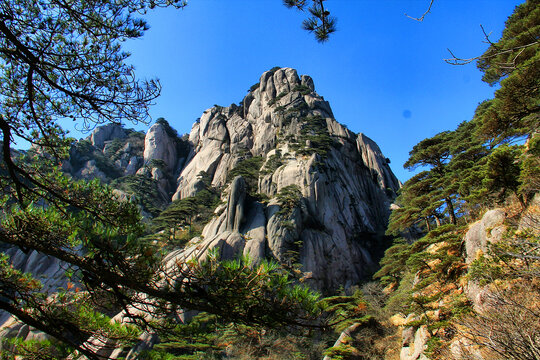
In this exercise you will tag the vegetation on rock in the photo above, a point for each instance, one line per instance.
(469, 170)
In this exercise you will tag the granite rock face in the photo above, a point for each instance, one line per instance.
(158, 145)
(344, 181)
(106, 133)
(489, 229)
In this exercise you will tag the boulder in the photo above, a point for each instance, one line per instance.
(489, 229)
(158, 145)
(105, 133)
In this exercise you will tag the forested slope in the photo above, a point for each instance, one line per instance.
(468, 289)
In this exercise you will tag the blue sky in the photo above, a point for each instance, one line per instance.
(382, 73)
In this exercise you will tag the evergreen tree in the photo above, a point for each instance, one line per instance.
(513, 62)
(435, 152)
(502, 172)
(474, 167)
(417, 205)
(319, 21)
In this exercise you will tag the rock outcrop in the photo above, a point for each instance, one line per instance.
(342, 183)
(345, 184)
(106, 133)
(158, 145)
(489, 229)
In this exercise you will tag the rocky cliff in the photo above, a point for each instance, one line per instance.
(344, 184)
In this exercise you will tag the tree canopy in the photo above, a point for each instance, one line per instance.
(513, 62)
(468, 168)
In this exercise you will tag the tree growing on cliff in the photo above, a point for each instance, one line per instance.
(513, 62)
(436, 152)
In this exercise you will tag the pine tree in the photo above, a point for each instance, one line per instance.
(513, 62)
(319, 22)
(435, 152)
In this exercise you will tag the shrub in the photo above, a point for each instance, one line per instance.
(145, 190)
(249, 169)
(273, 163)
(303, 89)
(288, 198)
(254, 87)
(274, 69)
(277, 98)
(313, 130)
(508, 324)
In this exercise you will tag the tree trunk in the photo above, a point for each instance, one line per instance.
(450, 208)
(428, 226)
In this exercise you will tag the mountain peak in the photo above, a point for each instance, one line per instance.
(298, 186)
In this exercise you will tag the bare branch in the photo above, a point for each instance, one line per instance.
(455, 60)
(421, 18)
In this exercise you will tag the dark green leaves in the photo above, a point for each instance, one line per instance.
(319, 21)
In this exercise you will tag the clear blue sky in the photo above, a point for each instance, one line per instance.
(382, 73)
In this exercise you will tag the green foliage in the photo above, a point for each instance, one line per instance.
(208, 337)
(276, 99)
(298, 111)
(515, 257)
(345, 310)
(514, 63)
(65, 61)
(433, 344)
(274, 69)
(433, 152)
(235, 289)
(89, 219)
(254, 87)
(85, 151)
(319, 22)
(303, 89)
(401, 298)
(272, 163)
(529, 177)
(249, 169)
(113, 147)
(433, 259)
(456, 187)
(503, 171)
(465, 172)
(313, 137)
(393, 264)
(288, 198)
(17, 348)
(157, 163)
(192, 212)
(145, 191)
(186, 341)
(342, 352)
